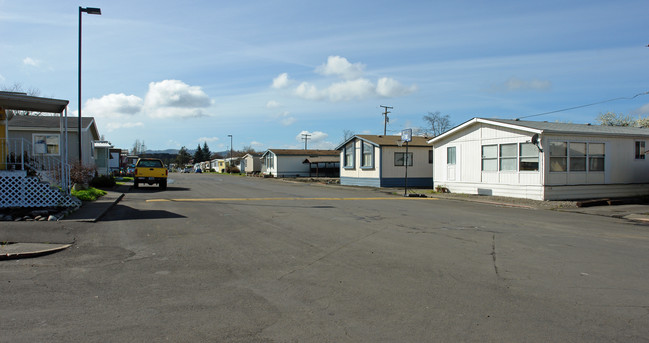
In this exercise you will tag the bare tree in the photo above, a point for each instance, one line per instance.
(139, 148)
(248, 149)
(347, 134)
(437, 123)
(18, 88)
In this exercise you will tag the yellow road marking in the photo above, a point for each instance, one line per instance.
(276, 199)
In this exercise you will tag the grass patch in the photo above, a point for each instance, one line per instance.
(90, 194)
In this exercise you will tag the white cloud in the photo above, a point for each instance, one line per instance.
(308, 91)
(208, 139)
(644, 109)
(288, 121)
(516, 84)
(340, 66)
(281, 81)
(31, 62)
(358, 89)
(273, 104)
(350, 90)
(114, 111)
(388, 87)
(174, 98)
(112, 126)
(354, 87)
(113, 106)
(317, 140)
(255, 143)
(284, 118)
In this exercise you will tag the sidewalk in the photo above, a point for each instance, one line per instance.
(31, 239)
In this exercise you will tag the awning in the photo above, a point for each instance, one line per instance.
(23, 102)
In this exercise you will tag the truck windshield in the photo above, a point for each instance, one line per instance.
(150, 164)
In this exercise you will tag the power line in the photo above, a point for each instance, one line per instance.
(581, 106)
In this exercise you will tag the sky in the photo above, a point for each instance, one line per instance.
(184, 73)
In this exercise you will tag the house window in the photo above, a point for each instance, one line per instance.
(529, 157)
(450, 155)
(639, 150)
(490, 158)
(430, 156)
(577, 157)
(269, 161)
(558, 156)
(46, 144)
(508, 157)
(367, 154)
(399, 158)
(349, 156)
(596, 157)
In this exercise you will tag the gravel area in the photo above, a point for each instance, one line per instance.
(538, 204)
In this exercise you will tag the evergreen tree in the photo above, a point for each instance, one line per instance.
(207, 155)
(198, 155)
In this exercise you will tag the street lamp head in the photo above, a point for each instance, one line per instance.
(91, 10)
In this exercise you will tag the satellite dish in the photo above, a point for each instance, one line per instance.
(535, 139)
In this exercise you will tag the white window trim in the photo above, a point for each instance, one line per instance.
(46, 134)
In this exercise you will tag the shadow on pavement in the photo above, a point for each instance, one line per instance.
(121, 212)
(155, 189)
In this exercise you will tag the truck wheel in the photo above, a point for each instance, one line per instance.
(136, 184)
(163, 184)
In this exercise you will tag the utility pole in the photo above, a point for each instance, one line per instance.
(386, 119)
(305, 138)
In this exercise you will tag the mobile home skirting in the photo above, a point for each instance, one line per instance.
(560, 192)
(420, 182)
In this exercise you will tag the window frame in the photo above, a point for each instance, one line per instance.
(448, 155)
(521, 157)
(408, 158)
(640, 150)
(563, 157)
(367, 146)
(593, 157)
(489, 158)
(46, 135)
(349, 155)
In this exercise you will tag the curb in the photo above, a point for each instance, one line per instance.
(42, 250)
(119, 198)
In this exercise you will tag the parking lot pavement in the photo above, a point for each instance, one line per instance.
(36, 238)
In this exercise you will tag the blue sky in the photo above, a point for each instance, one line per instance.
(180, 73)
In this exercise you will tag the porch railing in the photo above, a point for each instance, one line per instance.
(19, 154)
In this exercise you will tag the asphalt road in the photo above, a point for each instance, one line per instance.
(233, 259)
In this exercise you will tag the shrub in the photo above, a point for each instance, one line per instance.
(81, 174)
(103, 181)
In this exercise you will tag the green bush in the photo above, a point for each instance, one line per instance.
(90, 194)
(103, 181)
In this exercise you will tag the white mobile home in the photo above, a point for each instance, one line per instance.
(541, 160)
(290, 162)
(379, 161)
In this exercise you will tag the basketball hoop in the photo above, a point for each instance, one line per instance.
(400, 143)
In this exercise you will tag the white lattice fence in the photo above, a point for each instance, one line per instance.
(19, 190)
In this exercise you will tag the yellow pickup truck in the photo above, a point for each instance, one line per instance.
(150, 171)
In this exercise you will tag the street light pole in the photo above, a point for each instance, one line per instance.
(89, 10)
(230, 153)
